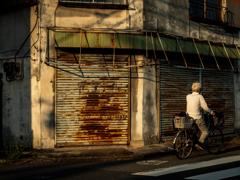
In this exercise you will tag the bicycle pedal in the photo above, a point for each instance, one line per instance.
(198, 147)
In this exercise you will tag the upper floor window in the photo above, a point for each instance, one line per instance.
(122, 4)
(211, 10)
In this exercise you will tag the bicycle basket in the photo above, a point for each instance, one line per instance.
(183, 122)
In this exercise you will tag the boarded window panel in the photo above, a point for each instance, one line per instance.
(92, 100)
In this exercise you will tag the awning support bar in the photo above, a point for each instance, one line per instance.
(182, 53)
(146, 46)
(237, 49)
(213, 55)
(153, 47)
(159, 38)
(146, 50)
(114, 49)
(80, 54)
(228, 56)
(68, 65)
(198, 54)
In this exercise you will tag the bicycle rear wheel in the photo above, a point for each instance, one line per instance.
(183, 145)
(214, 141)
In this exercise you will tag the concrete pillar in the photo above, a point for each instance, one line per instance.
(144, 113)
(136, 135)
(150, 110)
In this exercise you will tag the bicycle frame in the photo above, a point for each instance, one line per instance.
(188, 138)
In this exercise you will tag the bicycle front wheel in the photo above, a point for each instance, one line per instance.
(214, 141)
(183, 145)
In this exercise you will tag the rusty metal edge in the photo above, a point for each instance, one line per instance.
(234, 111)
(129, 102)
(160, 130)
(158, 100)
(55, 100)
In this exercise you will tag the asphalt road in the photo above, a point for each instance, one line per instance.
(162, 166)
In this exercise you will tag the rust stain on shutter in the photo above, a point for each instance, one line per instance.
(92, 101)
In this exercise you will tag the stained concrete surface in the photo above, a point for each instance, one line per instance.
(106, 153)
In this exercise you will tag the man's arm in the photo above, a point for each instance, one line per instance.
(204, 106)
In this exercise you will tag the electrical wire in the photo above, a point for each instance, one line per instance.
(15, 76)
(26, 38)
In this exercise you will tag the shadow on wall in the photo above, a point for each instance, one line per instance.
(101, 16)
(150, 119)
(24, 132)
(10, 138)
(169, 16)
(231, 18)
(17, 109)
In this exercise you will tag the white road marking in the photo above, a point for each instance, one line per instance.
(186, 167)
(218, 175)
(151, 162)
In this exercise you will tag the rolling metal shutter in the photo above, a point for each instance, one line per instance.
(175, 85)
(92, 100)
(218, 93)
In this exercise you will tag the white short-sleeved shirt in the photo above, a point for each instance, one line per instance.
(195, 102)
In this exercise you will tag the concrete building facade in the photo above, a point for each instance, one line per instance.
(42, 34)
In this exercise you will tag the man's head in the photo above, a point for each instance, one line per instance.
(196, 87)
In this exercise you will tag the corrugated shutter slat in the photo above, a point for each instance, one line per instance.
(92, 101)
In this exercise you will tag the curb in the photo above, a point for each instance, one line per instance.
(48, 157)
(69, 159)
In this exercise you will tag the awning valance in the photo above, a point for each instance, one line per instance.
(142, 40)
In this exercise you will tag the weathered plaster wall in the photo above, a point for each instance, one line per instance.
(101, 18)
(212, 33)
(168, 16)
(144, 113)
(150, 114)
(44, 82)
(16, 105)
(93, 18)
(137, 87)
(172, 17)
(135, 14)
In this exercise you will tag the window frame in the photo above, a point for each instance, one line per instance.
(211, 13)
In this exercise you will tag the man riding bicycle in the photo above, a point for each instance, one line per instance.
(195, 102)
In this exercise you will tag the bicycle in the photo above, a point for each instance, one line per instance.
(185, 140)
